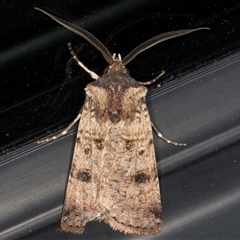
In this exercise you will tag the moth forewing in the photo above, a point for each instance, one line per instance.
(113, 176)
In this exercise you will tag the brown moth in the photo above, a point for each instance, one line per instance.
(114, 174)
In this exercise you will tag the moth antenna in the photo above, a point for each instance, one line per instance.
(83, 33)
(157, 39)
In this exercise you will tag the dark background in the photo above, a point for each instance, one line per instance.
(42, 91)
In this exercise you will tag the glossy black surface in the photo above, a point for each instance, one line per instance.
(198, 104)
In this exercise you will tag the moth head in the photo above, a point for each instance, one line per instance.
(117, 65)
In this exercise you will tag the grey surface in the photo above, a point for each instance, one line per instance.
(199, 183)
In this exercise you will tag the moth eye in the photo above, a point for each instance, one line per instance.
(141, 178)
(105, 70)
(127, 71)
(84, 176)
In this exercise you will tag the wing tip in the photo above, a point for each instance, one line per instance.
(134, 230)
(67, 228)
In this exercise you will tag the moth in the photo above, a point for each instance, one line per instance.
(113, 176)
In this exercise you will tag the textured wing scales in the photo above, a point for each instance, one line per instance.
(130, 188)
(113, 175)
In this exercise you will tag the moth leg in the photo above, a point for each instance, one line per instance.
(153, 80)
(61, 133)
(159, 134)
(92, 74)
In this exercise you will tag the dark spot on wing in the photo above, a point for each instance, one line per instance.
(84, 176)
(157, 211)
(141, 178)
(129, 145)
(141, 152)
(99, 143)
(87, 150)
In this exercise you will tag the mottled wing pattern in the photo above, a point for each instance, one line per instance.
(114, 174)
(82, 195)
(129, 190)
